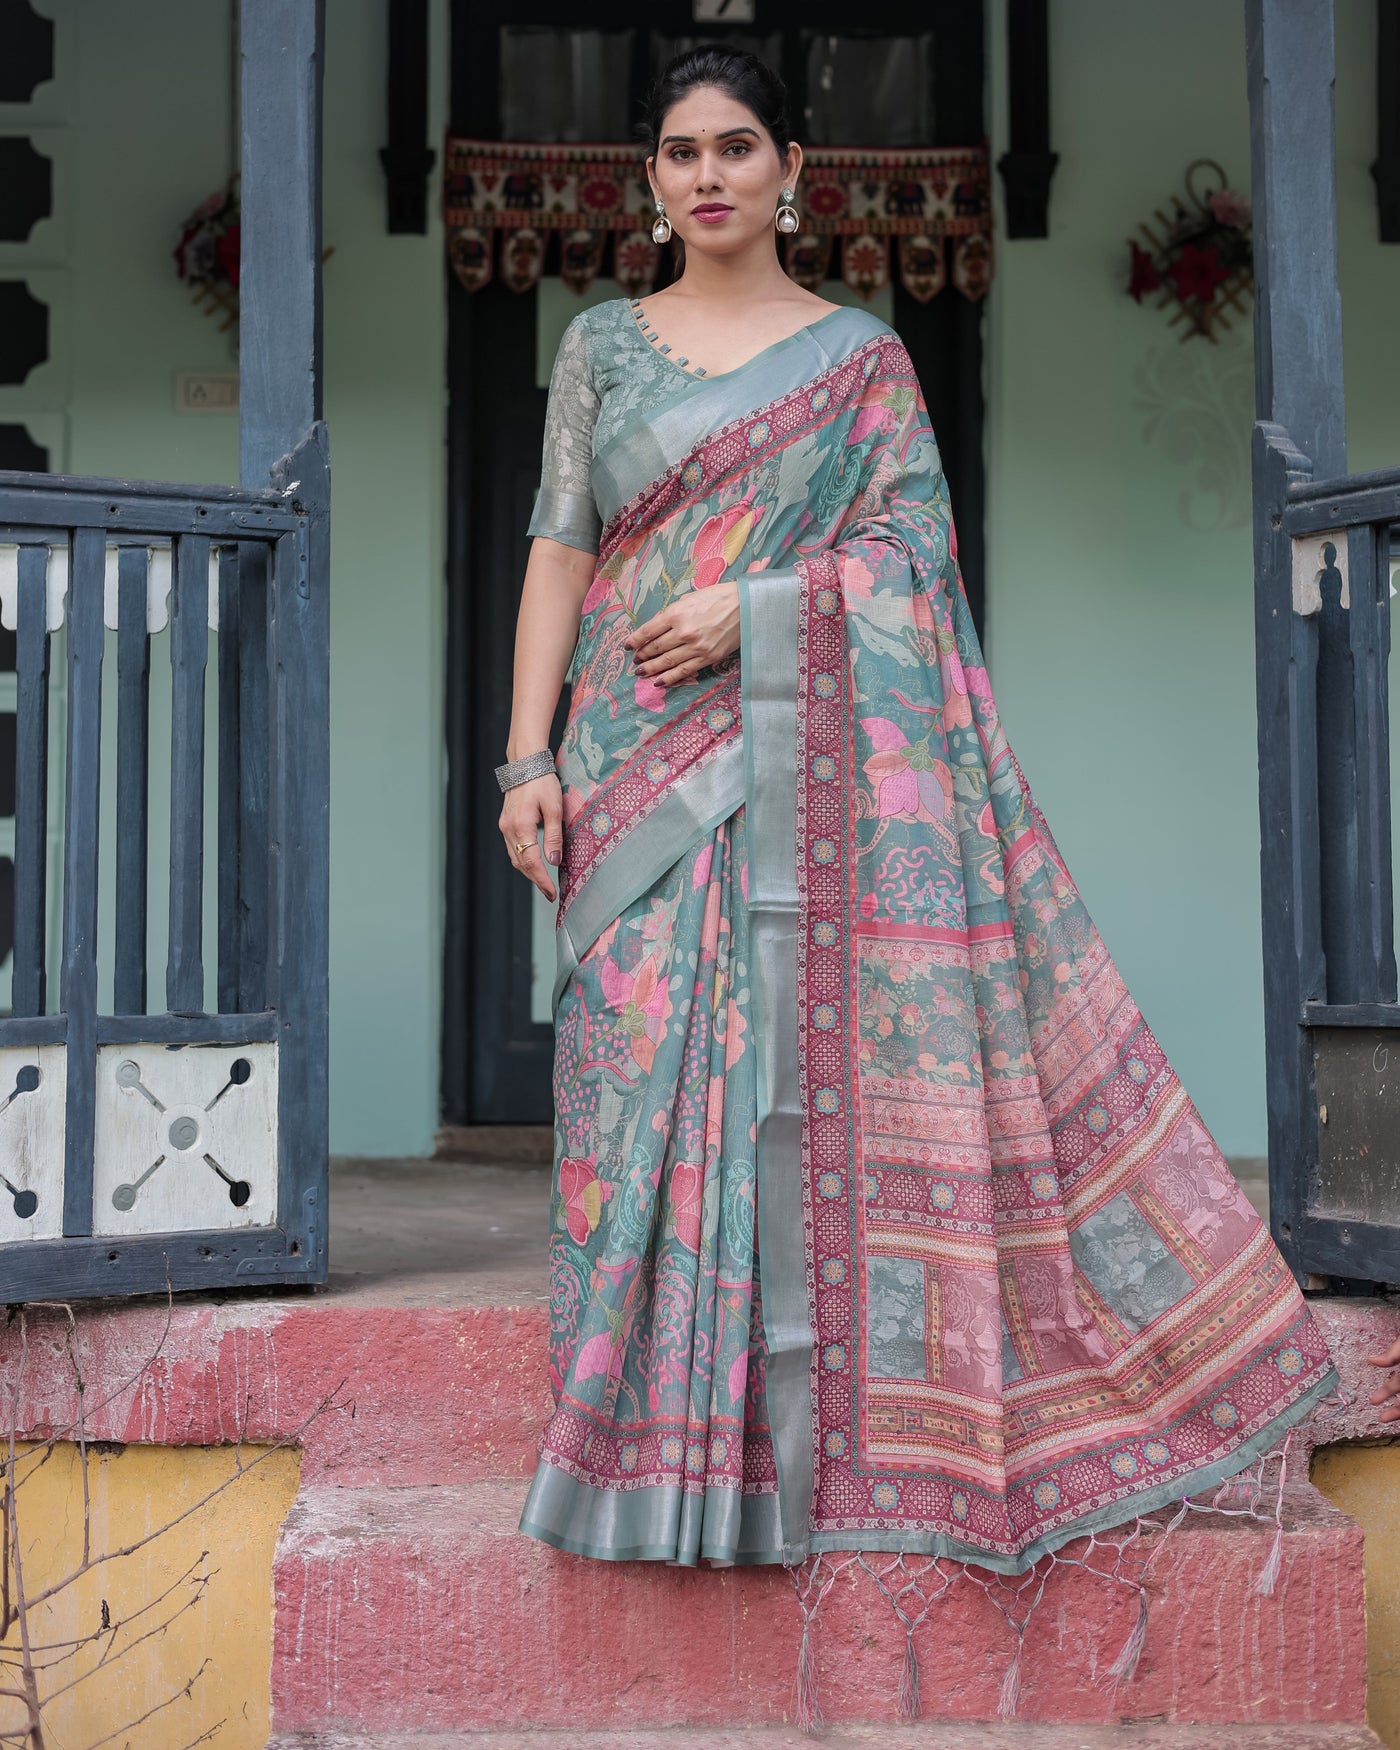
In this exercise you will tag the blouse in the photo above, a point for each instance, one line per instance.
(606, 371)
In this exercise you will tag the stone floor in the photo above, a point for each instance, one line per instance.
(439, 1233)
(469, 1233)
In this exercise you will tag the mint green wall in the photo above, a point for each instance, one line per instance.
(1118, 531)
(145, 110)
(1120, 617)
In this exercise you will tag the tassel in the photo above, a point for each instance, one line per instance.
(809, 1713)
(1268, 1578)
(1011, 1685)
(1124, 1667)
(909, 1679)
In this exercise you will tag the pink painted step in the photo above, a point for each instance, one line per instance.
(921, 1737)
(449, 1393)
(422, 1395)
(422, 1608)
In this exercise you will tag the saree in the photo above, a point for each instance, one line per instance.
(880, 1220)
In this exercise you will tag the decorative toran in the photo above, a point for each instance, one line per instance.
(502, 199)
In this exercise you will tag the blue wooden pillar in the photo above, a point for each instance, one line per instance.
(284, 730)
(1293, 167)
(279, 292)
(1322, 639)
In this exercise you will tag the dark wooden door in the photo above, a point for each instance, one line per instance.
(496, 1056)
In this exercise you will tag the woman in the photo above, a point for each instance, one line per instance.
(830, 1012)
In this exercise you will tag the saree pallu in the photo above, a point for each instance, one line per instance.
(881, 1221)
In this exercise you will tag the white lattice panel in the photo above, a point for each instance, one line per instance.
(32, 1099)
(186, 1138)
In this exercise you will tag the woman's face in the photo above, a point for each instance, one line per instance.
(719, 173)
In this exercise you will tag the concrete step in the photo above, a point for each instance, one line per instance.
(419, 1395)
(424, 1606)
(1137, 1734)
(450, 1388)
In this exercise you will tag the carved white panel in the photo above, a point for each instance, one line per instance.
(185, 1138)
(1320, 560)
(33, 1089)
(56, 586)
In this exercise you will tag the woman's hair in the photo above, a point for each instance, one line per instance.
(738, 74)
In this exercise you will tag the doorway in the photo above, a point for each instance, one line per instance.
(527, 71)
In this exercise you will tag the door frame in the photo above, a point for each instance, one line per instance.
(487, 926)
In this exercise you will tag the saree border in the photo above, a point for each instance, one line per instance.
(758, 434)
(768, 628)
(657, 840)
(632, 464)
(722, 1525)
(643, 782)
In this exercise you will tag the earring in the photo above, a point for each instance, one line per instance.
(786, 219)
(661, 229)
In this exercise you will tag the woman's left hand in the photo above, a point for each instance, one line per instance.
(694, 632)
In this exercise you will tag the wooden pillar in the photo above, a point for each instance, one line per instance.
(1293, 164)
(1321, 631)
(1386, 168)
(283, 751)
(279, 292)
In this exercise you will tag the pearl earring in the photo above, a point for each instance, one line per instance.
(661, 229)
(786, 219)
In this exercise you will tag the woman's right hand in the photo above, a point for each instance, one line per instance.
(526, 809)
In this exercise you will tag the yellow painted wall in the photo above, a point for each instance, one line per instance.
(223, 1632)
(1365, 1482)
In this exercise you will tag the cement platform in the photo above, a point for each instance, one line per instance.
(468, 1233)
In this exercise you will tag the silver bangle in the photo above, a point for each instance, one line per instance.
(534, 765)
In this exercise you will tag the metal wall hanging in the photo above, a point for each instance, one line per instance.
(503, 201)
(1199, 256)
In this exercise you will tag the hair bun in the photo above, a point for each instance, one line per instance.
(736, 72)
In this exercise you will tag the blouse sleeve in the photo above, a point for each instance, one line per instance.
(566, 509)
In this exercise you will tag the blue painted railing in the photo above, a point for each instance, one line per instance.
(181, 1143)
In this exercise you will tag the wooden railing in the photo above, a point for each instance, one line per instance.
(143, 1144)
(1332, 1024)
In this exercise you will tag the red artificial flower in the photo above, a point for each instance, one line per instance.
(1197, 272)
(226, 251)
(1144, 276)
(1230, 209)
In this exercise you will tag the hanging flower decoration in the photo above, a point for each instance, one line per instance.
(206, 257)
(1198, 256)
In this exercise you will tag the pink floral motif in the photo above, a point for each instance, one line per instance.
(721, 540)
(648, 694)
(583, 1196)
(909, 780)
(687, 1194)
(603, 1354)
(644, 1001)
(957, 707)
(858, 580)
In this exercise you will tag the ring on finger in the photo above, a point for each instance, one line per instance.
(521, 849)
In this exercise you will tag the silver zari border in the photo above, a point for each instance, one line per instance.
(662, 438)
(663, 1522)
(768, 609)
(639, 859)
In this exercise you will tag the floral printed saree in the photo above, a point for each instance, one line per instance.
(881, 1221)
